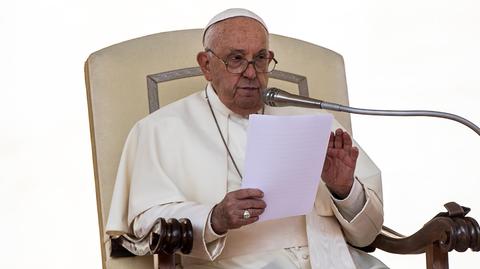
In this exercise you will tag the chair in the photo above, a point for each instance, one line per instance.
(128, 80)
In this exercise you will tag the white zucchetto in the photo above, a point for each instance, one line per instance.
(232, 13)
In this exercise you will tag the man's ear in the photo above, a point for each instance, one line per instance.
(204, 63)
(272, 54)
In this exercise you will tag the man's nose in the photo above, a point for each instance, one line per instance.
(250, 71)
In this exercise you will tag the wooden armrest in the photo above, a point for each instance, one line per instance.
(450, 230)
(164, 238)
(447, 231)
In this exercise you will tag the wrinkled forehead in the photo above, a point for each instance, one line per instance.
(239, 32)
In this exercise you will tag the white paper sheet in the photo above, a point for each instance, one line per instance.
(284, 158)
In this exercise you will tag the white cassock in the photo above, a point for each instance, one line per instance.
(175, 165)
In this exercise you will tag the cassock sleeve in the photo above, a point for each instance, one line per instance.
(353, 203)
(362, 228)
(142, 185)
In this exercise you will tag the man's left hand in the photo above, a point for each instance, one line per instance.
(340, 163)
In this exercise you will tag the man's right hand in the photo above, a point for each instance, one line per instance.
(228, 214)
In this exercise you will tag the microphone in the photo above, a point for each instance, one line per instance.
(279, 98)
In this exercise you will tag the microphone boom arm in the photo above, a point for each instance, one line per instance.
(411, 113)
(277, 97)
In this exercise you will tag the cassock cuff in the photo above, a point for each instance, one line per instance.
(210, 235)
(353, 203)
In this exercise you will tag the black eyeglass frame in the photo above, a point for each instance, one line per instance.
(275, 62)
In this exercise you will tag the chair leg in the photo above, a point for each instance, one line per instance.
(163, 261)
(436, 259)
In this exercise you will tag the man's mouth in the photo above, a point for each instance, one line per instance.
(249, 88)
(248, 91)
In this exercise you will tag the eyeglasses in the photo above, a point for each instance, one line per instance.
(237, 64)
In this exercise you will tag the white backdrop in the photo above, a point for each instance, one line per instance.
(399, 55)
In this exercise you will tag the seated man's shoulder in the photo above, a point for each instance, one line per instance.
(179, 110)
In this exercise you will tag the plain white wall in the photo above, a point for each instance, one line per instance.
(398, 55)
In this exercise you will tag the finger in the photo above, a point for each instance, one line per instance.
(256, 212)
(251, 203)
(354, 153)
(350, 158)
(249, 221)
(254, 216)
(247, 193)
(331, 140)
(238, 220)
(347, 141)
(253, 212)
(332, 153)
(338, 139)
(327, 163)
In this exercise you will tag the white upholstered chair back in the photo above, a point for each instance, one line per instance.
(128, 80)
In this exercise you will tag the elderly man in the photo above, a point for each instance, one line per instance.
(186, 160)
